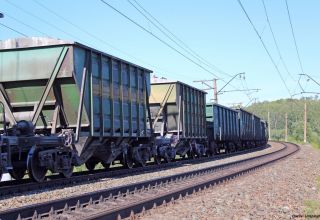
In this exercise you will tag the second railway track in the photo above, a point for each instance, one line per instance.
(125, 200)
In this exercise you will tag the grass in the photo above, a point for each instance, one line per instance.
(316, 146)
(312, 207)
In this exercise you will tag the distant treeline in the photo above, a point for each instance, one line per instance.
(295, 110)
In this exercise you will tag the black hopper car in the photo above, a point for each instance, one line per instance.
(65, 104)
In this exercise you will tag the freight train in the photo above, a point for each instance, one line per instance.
(65, 104)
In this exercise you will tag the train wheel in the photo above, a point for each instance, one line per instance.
(210, 153)
(192, 154)
(36, 172)
(128, 161)
(143, 163)
(17, 173)
(106, 165)
(91, 164)
(167, 159)
(19, 166)
(157, 159)
(67, 173)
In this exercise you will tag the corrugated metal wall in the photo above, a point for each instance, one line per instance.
(192, 109)
(246, 125)
(116, 96)
(224, 121)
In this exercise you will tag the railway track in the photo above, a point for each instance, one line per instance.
(56, 181)
(127, 200)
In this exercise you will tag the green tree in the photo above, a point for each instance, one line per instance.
(295, 110)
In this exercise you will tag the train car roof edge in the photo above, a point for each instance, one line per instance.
(34, 42)
(226, 107)
(177, 81)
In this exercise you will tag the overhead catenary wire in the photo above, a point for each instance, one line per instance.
(43, 20)
(163, 29)
(163, 32)
(88, 33)
(276, 43)
(162, 41)
(76, 26)
(25, 24)
(14, 30)
(264, 46)
(294, 37)
(48, 23)
(158, 38)
(179, 42)
(245, 87)
(95, 37)
(298, 85)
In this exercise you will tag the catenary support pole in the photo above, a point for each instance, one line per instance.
(286, 129)
(215, 91)
(305, 123)
(269, 125)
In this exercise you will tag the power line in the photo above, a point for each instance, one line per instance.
(79, 28)
(245, 87)
(161, 40)
(294, 38)
(163, 32)
(42, 20)
(299, 85)
(264, 46)
(275, 41)
(54, 26)
(181, 44)
(74, 25)
(27, 25)
(13, 30)
(158, 38)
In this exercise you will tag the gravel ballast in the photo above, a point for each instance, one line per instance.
(288, 189)
(41, 196)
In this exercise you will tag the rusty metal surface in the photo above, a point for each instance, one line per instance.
(125, 200)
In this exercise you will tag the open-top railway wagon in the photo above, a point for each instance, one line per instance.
(223, 128)
(68, 104)
(246, 128)
(178, 118)
(65, 104)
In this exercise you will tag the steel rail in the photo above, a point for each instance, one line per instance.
(9, 188)
(134, 198)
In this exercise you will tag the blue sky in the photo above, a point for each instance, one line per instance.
(216, 30)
